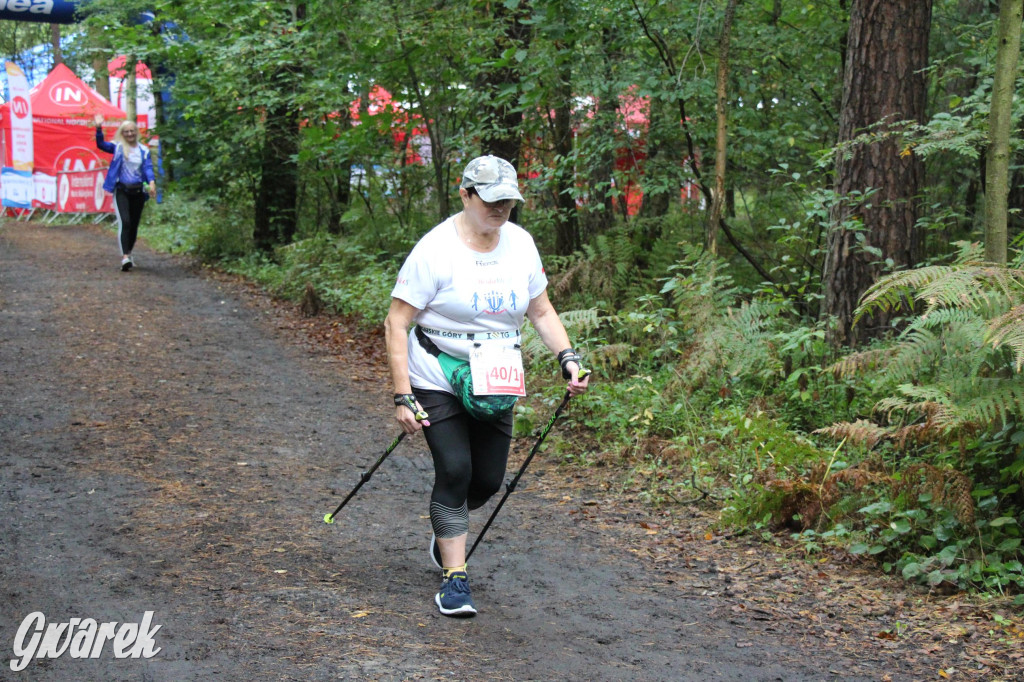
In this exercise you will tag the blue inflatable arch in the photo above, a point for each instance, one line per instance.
(44, 11)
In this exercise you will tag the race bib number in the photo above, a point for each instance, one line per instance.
(497, 371)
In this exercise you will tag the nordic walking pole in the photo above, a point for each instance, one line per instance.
(511, 485)
(420, 416)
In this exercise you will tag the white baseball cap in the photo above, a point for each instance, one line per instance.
(494, 179)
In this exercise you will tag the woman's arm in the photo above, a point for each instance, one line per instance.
(148, 175)
(396, 338)
(100, 142)
(552, 332)
(108, 147)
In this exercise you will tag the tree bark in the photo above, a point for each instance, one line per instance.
(131, 88)
(58, 56)
(503, 139)
(600, 196)
(883, 83)
(567, 228)
(102, 75)
(1000, 120)
(721, 114)
(277, 193)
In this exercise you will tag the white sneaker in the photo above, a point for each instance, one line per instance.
(126, 263)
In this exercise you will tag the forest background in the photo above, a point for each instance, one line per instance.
(786, 234)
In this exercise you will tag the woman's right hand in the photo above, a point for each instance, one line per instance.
(408, 420)
(98, 119)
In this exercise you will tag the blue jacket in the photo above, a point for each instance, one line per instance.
(114, 172)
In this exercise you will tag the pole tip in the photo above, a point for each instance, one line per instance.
(328, 518)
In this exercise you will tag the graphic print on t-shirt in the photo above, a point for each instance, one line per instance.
(493, 302)
(493, 294)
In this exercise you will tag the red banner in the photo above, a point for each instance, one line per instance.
(81, 192)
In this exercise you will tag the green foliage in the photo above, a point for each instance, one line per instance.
(347, 279)
(196, 225)
(953, 362)
(606, 271)
(925, 543)
(956, 398)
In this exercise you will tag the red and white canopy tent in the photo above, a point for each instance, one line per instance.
(68, 169)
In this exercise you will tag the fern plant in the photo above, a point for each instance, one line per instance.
(956, 367)
(957, 399)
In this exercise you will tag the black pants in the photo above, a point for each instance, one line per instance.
(469, 456)
(128, 208)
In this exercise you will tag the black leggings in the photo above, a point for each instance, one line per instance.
(469, 460)
(128, 208)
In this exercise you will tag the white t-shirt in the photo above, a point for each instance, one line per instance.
(460, 290)
(131, 165)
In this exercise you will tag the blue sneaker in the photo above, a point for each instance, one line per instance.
(435, 551)
(454, 598)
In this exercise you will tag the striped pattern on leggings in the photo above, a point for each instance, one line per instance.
(448, 522)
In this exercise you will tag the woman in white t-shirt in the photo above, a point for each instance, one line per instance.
(467, 286)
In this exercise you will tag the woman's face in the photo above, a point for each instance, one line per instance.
(130, 133)
(486, 215)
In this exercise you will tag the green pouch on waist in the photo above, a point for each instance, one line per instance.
(487, 408)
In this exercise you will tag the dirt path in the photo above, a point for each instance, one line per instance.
(170, 443)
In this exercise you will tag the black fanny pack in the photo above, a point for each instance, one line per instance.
(131, 188)
(488, 408)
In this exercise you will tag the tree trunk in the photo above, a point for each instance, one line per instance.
(721, 113)
(339, 183)
(102, 75)
(600, 195)
(503, 138)
(131, 88)
(883, 83)
(660, 150)
(567, 229)
(277, 192)
(1000, 119)
(58, 56)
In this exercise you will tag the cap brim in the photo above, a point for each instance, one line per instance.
(498, 192)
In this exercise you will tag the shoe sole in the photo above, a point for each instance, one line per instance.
(435, 552)
(464, 611)
(125, 267)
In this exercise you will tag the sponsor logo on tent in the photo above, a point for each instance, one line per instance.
(67, 94)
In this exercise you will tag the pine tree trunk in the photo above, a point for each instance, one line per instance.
(887, 45)
(277, 193)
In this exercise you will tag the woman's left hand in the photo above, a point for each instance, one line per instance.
(152, 190)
